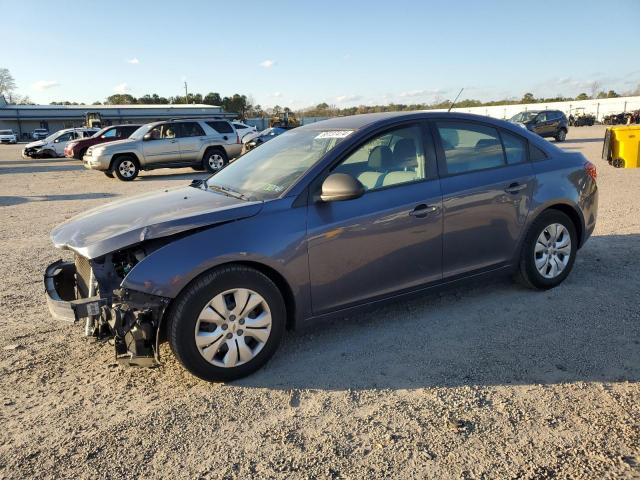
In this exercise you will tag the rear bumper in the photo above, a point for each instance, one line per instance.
(60, 289)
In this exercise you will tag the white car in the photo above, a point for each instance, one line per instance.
(8, 136)
(243, 129)
(53, 145)
(40, 134)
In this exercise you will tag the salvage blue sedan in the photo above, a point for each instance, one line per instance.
(323, 219)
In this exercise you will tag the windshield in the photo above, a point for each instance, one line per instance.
(267, 171)
(100, 132)
(139, 133)
(54, 135)
(524, 116)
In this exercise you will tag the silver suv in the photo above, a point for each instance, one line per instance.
(200, 144)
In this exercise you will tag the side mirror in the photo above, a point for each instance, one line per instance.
(340, 186)
(147, 136)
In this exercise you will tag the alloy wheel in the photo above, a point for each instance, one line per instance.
(553, 250)
(216, 162)
(233, 327)
(127, 168)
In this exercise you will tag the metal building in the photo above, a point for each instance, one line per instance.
(23, 119)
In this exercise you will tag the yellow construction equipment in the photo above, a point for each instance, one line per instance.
(622, 146)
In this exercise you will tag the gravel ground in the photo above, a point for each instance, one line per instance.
(487, 381)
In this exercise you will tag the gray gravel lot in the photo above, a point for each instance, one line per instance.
(486, 381)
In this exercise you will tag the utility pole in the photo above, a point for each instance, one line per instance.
(186, 93)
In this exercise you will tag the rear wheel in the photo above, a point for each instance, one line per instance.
(549, 251)
(561, 135)
(126, 168)
(214, 159)
(618, 162)
(227, 324)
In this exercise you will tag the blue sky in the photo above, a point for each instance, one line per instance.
(300, 53)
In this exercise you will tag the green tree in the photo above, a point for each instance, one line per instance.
(212, 98)
(528, 98)
(612, 94)
(120, 99)
(582, 96)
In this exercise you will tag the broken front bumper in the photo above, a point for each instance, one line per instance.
(61, 289)
(131, 318)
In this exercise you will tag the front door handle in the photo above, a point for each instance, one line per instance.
(423, 210)
(515, 187)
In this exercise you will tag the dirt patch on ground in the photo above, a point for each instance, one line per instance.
(489, 381)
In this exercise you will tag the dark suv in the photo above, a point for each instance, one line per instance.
(546, 123)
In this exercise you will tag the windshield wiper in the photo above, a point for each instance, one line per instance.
(228, 191)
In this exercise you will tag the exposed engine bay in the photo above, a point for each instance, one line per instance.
(89, 290)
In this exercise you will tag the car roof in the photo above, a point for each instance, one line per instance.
(357, 122)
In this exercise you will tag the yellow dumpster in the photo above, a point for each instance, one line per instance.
(622, 146)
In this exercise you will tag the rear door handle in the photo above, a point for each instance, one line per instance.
(515, 187)
(423, 210)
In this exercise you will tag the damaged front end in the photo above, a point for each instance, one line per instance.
(89, 290)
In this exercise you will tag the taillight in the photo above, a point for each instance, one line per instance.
(591, 170)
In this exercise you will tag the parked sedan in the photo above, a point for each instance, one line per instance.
(76, 149)
(8, 136)
(323, 220)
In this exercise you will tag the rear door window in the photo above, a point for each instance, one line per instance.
(191, 129)
(469, 147)
(220, 126)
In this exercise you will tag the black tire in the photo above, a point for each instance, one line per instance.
(528, 273)
(183, 315)
(214, 155)
(108, 173)
(126, 168)
(81, 154)
(561, 135)
(617, 162)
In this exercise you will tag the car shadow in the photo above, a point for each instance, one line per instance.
(38, 168)
(584, 140)
(6, 201)
(182, 176)
(495, 333)
(30, 161)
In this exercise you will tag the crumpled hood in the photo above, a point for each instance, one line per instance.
(36, 144)
(143, 217)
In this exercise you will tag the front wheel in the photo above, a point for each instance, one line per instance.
(561, 136)
(227, 324)
(214, 160)
(549, 251)
(126, 168)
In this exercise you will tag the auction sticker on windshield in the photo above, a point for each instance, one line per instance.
(335, 134)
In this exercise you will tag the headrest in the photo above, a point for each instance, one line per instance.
(380, 158)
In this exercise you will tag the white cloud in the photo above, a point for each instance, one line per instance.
(133, 61)
(420, 93)
(267, 63)
(276, 94)
(348, 98)
(41, 85)
(121, 88)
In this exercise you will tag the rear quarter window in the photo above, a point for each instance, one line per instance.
(221, 126)
(536, 154)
